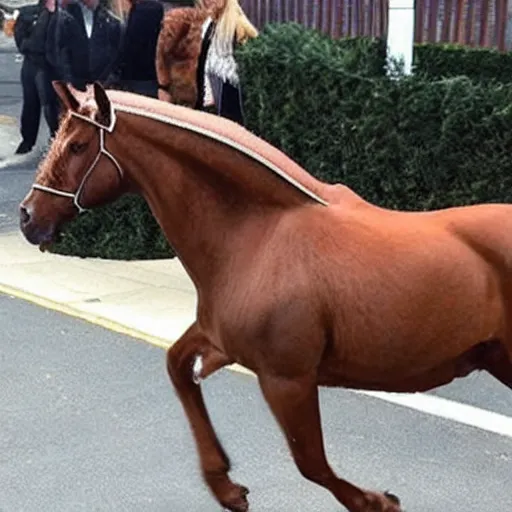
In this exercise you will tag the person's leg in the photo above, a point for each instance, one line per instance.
(48, 99)
(231, 103)
(31, 109)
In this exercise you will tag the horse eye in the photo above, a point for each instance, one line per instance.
(77, 147)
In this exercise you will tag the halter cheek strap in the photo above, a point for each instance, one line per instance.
(103, 151)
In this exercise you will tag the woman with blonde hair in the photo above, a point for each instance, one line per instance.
(195, 56)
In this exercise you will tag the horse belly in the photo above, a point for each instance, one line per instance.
(414, 326)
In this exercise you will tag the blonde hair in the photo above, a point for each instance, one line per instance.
(232, 22)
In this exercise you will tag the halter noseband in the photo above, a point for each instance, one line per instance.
(102, 151)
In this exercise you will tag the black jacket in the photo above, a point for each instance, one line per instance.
(65, 51)
(101, 48)
(137, 58)
(32, 32)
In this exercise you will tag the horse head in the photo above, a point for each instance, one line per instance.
(78, 172)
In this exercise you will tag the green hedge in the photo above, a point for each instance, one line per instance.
(124, 230)
(410, 143)
(417, 143)
(435, 61)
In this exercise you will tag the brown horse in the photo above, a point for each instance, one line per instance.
(304, 283)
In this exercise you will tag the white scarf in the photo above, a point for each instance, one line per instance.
(208, 94)
(222, 65)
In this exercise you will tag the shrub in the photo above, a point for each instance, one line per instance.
(413, 143)
(436, 61)
(124, 230)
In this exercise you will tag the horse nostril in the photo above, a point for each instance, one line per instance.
(24, 215)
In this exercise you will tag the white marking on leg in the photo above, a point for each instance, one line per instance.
(197, 368)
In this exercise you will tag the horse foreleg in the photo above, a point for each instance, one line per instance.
(295, 405)
(189, 360)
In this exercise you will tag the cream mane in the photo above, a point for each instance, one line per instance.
(224, 131)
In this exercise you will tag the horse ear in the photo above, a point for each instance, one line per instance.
(66, 96)
(104, 115)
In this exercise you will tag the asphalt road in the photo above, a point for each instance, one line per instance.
(89, 422)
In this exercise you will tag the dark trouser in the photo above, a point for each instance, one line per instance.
(228, 100)
(143, 87)
(231, 103)
(38, 93)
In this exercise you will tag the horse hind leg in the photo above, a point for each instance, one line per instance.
(295, 404)
(189, 360)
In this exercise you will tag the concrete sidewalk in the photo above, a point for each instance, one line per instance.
(151, 300)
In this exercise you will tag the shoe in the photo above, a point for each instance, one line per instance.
(23, 148)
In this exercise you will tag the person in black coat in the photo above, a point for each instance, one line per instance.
(135, 70)
(96, 35)
(66, 50)
(32, 33)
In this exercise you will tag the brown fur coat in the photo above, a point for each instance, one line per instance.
(177, 54)
(178, 50)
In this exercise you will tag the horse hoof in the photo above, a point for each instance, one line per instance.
(237, 499)
(385, 502)
(392, 497)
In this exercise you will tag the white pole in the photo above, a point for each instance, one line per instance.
(401, 32)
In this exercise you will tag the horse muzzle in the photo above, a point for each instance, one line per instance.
(34, 232)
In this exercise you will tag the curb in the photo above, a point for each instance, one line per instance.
(84, 315)
(101, 321)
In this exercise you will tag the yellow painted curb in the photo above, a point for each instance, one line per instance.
(98, 320)
(84, 315)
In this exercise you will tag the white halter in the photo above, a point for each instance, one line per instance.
(102, 151)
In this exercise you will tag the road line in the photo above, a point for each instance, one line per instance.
(482, 419)
(435, 406)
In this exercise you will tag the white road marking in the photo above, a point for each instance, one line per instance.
(469, 415)
(450, 410)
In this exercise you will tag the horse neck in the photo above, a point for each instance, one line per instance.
(207, 198)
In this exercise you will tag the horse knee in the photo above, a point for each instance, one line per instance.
(194, 360)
